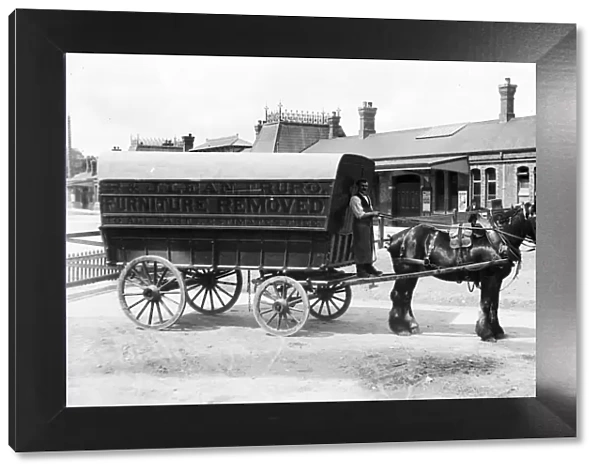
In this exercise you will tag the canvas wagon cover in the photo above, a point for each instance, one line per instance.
(206, 166)
(227, 190)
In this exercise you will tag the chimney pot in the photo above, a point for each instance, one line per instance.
(507, 100)
(258, 127)
(334, 125)
(367, 119)
(188, 142)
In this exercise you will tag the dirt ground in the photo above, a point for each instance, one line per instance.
(228, 359)
(210, 361)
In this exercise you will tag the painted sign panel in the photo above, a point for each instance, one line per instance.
(426, 201)
(294, 204)
(462, 201)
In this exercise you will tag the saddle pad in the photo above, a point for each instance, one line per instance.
(461, 236)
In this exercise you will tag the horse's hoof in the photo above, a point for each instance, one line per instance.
(401, 331)
(415, 330)
(485, 333)
(489, 339)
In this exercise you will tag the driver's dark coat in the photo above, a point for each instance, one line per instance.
(362, 229)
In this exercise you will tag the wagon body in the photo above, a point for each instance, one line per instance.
(229, 210)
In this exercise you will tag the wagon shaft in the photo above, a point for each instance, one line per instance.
(421, 274)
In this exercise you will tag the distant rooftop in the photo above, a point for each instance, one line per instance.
(477, 137)
(137, 141)
(225, 141)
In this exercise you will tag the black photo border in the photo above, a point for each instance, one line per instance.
(39, 420)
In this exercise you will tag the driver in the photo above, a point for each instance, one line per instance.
(363, 243)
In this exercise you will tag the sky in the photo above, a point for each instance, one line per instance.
(113, 97)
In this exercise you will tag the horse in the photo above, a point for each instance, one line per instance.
(424, 248)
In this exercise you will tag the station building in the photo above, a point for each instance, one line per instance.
(432, 171)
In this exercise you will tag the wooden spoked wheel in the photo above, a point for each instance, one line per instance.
(213, 291)
(281, 306)
(151, 292)
(329, 303)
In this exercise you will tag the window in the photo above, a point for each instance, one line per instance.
(476, 188)
(490, 181)
(522, 184)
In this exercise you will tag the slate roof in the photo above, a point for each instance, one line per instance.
(266, 139)
(285, 137)
(154, 142)
(223, 142)
(477, 137)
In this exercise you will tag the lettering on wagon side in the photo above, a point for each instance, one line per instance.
(213, 205)
(216, 203)
(176, 220)
(233, 188)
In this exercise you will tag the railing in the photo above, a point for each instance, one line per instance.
(88, 267)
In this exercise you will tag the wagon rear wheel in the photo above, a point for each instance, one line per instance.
(281, 306)
(329, 303)
(213, 291)
(151, 292)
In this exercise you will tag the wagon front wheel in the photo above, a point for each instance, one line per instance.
(329, 303)
(213, 291)
(281, 306)
(151, 292)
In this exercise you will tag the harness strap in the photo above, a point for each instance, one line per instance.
(431, 248)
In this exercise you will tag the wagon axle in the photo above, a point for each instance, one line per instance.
(152, 293)
(280, 306)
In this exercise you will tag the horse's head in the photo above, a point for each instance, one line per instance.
(518, 221)
(530, 217)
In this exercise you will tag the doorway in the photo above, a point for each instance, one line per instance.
(408, 196)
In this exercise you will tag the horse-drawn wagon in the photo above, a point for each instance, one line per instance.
(183, 227)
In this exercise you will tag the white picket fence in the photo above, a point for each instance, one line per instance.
(89, 267)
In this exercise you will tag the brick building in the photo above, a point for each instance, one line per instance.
(426, 171)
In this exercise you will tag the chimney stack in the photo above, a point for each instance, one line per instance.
(258, 127)
(507, 101)
(188, 142)
(334, 125)
(367, 120)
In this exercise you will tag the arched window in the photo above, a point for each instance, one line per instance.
(476, 188)
(490, 184)
(523, 184)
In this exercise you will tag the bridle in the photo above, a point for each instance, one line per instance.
(526, 241)
(504, 235)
